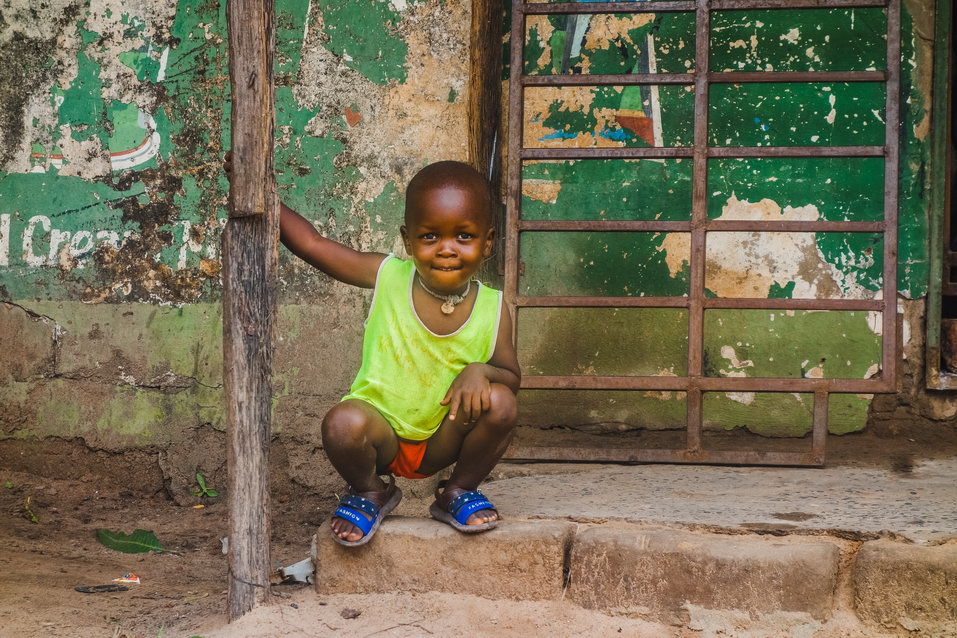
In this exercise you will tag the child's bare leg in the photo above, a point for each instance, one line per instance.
(360, 443)
(474, 448)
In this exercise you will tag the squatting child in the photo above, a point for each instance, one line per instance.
(439, 372)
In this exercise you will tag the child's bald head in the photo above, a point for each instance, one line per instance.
(463, 180)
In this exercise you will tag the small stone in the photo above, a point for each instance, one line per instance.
(350, 614)
(909, 624)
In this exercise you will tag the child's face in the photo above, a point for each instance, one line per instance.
(448, 236)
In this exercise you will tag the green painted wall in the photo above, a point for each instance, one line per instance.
(112, 203)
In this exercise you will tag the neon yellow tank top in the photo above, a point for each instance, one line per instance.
(406, 368)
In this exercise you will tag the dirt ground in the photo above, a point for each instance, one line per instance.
(183, 590)
(41, 563)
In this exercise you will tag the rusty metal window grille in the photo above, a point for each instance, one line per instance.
(695, 382)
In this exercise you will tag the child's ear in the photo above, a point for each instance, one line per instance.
(489, 242)
(405, 236)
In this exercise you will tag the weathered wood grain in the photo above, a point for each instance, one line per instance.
(251, 49)
(250, 244)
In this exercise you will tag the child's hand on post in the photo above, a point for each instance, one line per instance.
(470, 393)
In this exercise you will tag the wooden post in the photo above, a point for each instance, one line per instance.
(485, 88)
(485, 111)
(250, 244)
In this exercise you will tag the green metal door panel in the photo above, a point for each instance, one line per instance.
(607, 189)
(833, 189)
(799, 40)
(792, 344)
(794, 265)
(584, 116)
(617, 341)
(797, 114)
(614, 264)
(609, 43)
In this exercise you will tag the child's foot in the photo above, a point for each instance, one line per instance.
(382, 501)
(467, 511)
(480, 517)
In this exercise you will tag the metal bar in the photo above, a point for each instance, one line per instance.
(794, 304)
(631, 455)
(539, 8)
(631, 79)
(774, 226)
(746, 77)
(819, 427)
(694, 403)
(891, 168)
(514, 175)
(603, 225)
(742, 303)
(796, 151)
(722, 225)
(724, 5)
(715, 77)
(601, 302)
(707, 384)
(699, 218)
(614, 152)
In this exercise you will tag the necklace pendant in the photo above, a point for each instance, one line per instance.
(448, 308)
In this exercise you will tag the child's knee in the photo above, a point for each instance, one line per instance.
(503, 411)
(344, 423)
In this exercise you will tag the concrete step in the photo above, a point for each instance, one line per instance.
(670, 575)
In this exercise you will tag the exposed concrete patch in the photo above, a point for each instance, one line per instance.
(907, 586)
(850, 502)
(660, 573)
(480, 565)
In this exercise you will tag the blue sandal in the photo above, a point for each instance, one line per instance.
(352, 508)
(459, 510)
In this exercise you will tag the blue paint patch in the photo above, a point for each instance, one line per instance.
(559, 135)
(617, 135)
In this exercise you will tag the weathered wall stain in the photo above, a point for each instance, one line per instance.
(112, 204)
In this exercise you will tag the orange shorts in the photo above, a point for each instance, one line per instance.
(408, 459)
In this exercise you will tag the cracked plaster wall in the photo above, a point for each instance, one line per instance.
(112, 203)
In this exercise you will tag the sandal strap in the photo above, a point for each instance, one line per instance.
(347, 513)
(360, 503)
(462, 515)
(464, 498)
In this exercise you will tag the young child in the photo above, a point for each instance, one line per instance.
(439, 371)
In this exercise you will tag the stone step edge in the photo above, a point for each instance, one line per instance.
(653, 571)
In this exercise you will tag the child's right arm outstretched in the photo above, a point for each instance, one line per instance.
(304, 241)
(336, 260)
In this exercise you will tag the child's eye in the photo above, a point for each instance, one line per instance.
(465, 236)
(427, 236)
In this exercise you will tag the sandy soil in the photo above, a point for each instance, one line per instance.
(41, 563)
(183, 590)
(413, 616)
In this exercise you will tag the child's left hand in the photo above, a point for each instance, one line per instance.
(470, 393)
